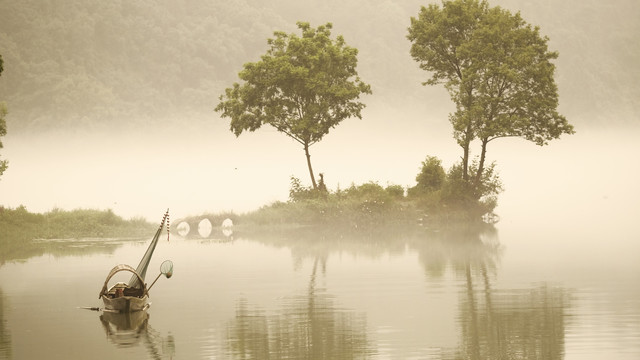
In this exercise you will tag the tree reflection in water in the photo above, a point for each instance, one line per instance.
(5, 336)
(525, 323)
(495, 323)
(12, 250)
(308, 326)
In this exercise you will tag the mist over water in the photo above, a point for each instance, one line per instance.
(204, 168)
(567, 229)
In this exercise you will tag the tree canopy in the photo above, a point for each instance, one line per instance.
(497, 69)
(303, 87)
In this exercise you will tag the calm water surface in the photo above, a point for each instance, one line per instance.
(516, 291)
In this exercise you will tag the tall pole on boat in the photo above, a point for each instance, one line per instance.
(144, 262)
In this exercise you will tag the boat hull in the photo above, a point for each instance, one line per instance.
(125, 304)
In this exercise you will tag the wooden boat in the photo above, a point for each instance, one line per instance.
(132, 296)
(122, 297)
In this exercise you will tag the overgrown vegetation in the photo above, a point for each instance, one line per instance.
(20, 227)
(439, 198)
(449, 196)
(356, 206)
(19, 230)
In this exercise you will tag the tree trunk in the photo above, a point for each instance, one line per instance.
(468, 136)
(313, 179)
(483, 154)
(465, 159)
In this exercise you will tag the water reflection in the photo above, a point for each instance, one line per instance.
(495, 323)
(5, 335)
(521, 324)
(458, 248)
(311, 242)
(129, 329)
(12, 250)
(309, 326)
(383, 293)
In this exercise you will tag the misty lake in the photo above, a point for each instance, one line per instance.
(516, 291)
(557, 278)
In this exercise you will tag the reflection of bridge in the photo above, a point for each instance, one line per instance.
(205, 226)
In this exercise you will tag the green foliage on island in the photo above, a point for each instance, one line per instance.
(498, 71)
(449, 196)
(357, 206)
(438, 199)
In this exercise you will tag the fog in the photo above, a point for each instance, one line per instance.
(108, 111)
(583, 177)
(588, 177)
(111, 107)
(203, 167)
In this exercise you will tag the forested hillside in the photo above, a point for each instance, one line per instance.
(94, 62)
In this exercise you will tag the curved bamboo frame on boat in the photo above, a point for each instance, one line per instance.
(125, 303)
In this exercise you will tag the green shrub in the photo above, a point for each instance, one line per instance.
(299, 192)
(355, 206)
(395, 191)
(430, 178)
(443, 197)
(449, 196)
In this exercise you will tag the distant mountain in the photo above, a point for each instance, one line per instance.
(87, 63)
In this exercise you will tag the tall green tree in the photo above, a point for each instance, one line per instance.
(3, 124)
(303, 86)
(497, 69)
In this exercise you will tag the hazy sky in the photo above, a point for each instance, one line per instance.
(199, 166)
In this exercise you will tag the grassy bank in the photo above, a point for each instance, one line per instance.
(20, 224)
(19, 227)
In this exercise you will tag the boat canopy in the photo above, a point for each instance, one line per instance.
(115, 270)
